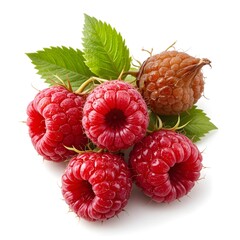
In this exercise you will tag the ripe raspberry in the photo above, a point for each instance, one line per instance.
(171, 82)
(54, 121)
(165, 165)
(96, 186)
(115, 115)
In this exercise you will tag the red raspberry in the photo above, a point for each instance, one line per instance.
(54, 121)
(165, 165)
(115, 115)
(171, 82)
(96, 186)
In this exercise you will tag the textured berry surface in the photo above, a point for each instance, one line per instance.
(54, 121)
(115, 115)
(171, 82)
(165, 165)
(96, 186)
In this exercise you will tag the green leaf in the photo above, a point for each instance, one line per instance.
(152, 125)
(198, 126)
(66, 63)
(104, 49)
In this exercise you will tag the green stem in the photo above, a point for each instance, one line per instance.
(132, 73)
(86, 83)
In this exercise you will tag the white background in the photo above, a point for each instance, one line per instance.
(31, 205)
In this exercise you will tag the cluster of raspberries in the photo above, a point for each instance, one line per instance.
(114, 117)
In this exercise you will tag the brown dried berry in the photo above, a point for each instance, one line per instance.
(171, 82)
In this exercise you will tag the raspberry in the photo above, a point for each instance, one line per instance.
(96, 186)
(54, 121)
(115, 115)
(171, 82)
(165, 165)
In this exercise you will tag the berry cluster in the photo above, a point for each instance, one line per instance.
(113, 117)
